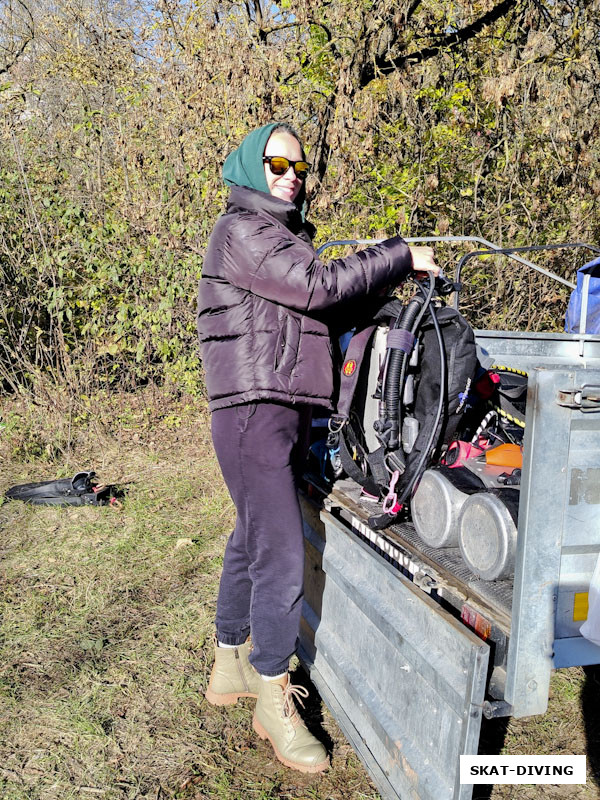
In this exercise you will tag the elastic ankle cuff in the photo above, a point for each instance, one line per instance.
(274, 677)
(231, 640)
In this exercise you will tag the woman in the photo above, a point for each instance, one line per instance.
(264, 300)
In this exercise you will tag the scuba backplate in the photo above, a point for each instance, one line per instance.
(399, 408)
(420, 421)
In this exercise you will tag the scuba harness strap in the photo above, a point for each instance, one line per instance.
(339, 429)
(336, 440)
(351, 371)
(352, 469)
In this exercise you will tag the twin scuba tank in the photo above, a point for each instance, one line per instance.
(429, 421)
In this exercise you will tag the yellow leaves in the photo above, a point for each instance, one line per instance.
(430, 93)
(500, 87)
(444, 133)
(378, 89)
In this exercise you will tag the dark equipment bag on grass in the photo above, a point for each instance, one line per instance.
(76, 491)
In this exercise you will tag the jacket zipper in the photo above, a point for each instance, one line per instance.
(281, 348)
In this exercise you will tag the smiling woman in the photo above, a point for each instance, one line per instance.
(285, 167)
(268, 362)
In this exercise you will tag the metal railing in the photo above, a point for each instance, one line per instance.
(491, 249)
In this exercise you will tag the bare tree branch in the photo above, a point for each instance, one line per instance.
(386, 66)
(26, 36)
(411, 9)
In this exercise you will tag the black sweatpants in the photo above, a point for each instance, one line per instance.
(261, 449)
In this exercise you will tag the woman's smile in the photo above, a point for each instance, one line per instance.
(285, 186)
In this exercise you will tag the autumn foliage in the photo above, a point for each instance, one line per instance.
(424, 118)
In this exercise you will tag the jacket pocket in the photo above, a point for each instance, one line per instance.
(288, 341)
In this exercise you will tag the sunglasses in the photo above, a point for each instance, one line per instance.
(279, 165)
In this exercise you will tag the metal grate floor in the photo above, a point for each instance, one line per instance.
(497, 594)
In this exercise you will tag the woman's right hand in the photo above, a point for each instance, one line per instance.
(423, 260)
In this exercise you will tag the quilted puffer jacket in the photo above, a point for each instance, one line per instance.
(265, 297)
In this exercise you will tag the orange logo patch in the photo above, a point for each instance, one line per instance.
(349, 367)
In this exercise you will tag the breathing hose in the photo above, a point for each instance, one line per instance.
(395, 368)
(397, 361)
(378, 522)
(434, 427)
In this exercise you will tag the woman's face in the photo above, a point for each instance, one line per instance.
(285, 186)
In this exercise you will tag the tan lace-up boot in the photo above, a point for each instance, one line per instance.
(276, 718)
(232, 676)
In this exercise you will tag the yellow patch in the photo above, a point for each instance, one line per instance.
(580, 607)
(349, 367)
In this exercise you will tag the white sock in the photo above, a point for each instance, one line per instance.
(227, 646)
(274, 677)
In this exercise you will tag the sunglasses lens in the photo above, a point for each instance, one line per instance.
(301, 168)
(279, 165)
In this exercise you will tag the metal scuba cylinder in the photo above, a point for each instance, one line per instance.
(438, 501)
(435, 509)
(469, 505)
(371, 411)
(487, 533)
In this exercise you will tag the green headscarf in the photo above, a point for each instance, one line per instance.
(244, 167)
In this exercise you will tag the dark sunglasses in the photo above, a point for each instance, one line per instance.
(279, 165)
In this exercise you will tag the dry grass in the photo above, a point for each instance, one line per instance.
(106, 633)
(105, 639)
(571, 726)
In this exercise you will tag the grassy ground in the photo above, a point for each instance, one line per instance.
(106, 628)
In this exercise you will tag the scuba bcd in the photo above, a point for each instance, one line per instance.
(412, 394)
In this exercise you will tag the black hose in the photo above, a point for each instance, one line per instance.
(434, 427)
(397, 360)
(425, 300)
(393, 386)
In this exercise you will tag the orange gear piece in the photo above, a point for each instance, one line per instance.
(505, 455)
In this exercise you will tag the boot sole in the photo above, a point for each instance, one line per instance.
(292, 764)
(226, 699)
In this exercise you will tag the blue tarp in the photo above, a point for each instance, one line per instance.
(585, 297)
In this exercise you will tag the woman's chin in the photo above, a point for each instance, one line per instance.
(289, 197)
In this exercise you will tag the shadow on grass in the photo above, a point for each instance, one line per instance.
(312, 713)
(590, 704)
(491, 742)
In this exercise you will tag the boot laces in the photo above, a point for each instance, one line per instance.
(290, 693)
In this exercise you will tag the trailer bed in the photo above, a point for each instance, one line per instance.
(445, 565)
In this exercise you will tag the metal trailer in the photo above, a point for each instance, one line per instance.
(406, 646)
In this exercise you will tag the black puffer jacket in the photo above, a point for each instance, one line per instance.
(264, 300)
